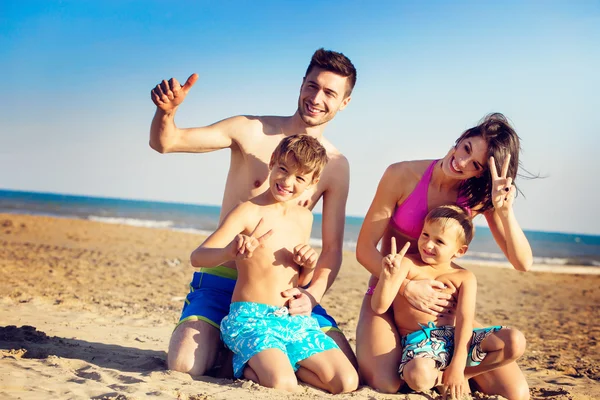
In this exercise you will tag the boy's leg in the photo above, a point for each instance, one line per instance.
(498, 373)
(329, 370)
(421, 374)
(272, 368)
(329, 326)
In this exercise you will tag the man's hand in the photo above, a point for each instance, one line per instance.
(168, 95)
(390, 264)
(300, 301)
(243, 246)
(305, 256)
(425, 296)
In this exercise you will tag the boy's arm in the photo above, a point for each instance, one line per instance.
(222, 245)
(388, 285)
(304, 255)
(165, 137)
(465, 315)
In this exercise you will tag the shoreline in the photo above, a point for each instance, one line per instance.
(316, 243)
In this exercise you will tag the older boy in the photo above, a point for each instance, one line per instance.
(269, 345)
(446, 343)
(325, 90)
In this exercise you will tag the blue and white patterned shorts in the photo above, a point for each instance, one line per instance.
(437, 343)
(250, 328)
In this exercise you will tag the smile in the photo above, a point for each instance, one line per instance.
(313, 110)
(282, 190)
(455, 166)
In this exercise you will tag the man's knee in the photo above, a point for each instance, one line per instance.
(193, 348)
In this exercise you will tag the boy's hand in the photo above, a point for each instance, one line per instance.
(503, 191)
(390, 265)
(168, 95)
(455, 384)
(243, 246)
(305, 256)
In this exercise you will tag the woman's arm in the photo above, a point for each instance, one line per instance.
(502, 221)
(510, 238)
(389, 192)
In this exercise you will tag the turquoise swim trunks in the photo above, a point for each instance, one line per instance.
(210, 296)
(250, 328)
(437, 343)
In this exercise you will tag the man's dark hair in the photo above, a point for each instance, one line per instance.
(334, 62)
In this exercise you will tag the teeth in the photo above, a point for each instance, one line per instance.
(455, 165)
(312, 109)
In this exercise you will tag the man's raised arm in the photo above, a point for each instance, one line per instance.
(165, 137)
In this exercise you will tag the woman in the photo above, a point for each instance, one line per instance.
(406, 192)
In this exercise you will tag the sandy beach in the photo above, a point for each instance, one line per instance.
(87, 309)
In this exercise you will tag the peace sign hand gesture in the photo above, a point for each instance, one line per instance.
(503, 191)
(390, 265)
(243, 246)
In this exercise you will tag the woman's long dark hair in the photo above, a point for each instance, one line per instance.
(501, 140)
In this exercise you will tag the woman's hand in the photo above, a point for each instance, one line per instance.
(503, 191)
(425, 296)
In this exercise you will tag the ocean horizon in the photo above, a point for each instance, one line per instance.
(551, 248)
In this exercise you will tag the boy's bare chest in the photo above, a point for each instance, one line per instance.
(450, 279)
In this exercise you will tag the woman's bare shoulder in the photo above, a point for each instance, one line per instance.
(407, 171)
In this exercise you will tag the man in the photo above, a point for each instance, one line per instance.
(326, 89)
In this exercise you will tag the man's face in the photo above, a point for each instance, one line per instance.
(322, 95)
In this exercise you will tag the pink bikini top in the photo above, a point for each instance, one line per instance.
(409, 217)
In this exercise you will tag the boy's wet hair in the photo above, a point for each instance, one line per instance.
(501, 140)
(449, 214)
(335, 62)
(308, 154)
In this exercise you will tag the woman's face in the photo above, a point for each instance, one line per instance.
(467, 159)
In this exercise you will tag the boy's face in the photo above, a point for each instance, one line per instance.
(286, 181)
(439, 242)
(322, 95)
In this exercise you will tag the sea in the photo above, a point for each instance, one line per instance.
(549, 248)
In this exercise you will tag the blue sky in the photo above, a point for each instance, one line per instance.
(76, 109)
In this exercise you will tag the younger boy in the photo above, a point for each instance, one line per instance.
(446, 343)
(267, 236)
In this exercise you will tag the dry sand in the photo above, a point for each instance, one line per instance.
(87, 309)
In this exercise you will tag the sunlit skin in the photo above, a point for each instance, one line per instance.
(322, 95)
(267, 237)
(378, 341)
(251, 140)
